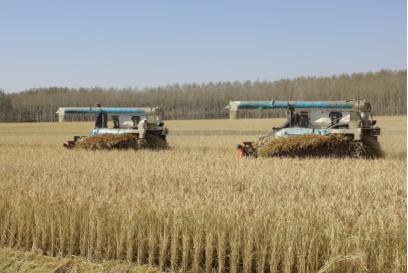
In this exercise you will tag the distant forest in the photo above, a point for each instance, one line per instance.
(385, 89)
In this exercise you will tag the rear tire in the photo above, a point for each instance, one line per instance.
(141, 143)
(155, 142)
(367, 148)
(357, 149)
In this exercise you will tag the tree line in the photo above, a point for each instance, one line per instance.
(385, 89)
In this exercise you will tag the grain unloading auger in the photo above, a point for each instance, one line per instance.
(314, 128)
(132, 128)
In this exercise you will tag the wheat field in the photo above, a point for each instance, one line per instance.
(196, 208)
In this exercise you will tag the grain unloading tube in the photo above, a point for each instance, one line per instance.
(352, 105)
(108, 110)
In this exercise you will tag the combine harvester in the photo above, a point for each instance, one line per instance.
(314, 128)
(133, 128)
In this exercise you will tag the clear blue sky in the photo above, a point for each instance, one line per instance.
(149, 43)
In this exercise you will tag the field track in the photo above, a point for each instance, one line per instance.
(12, 261)
(196, 208)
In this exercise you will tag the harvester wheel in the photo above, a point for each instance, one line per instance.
(357, 149)
(155, 142)
(141, 143)
(367, 148)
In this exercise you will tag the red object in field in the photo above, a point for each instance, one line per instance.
(245, 149)
(69, 144)
(240, 151)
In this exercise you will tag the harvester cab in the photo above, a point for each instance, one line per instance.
(151, 122)
(144, 124)
(349, 119)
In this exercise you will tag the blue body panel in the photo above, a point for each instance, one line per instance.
(275, 104)
(108, 110)
(297, 131)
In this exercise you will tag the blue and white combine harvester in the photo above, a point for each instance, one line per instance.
(144, 123)
(352, 119)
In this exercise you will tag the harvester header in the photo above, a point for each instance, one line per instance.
(349, 105)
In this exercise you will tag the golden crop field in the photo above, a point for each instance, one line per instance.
(196, 208)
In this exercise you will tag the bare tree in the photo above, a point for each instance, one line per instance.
(385, 89)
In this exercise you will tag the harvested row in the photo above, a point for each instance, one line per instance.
(12, 261)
